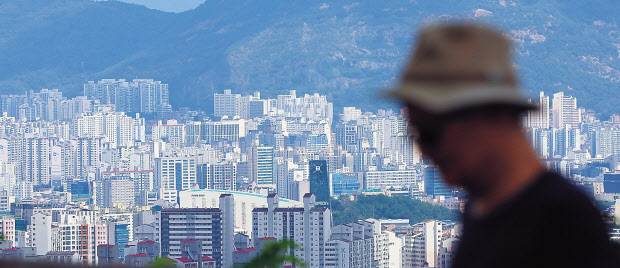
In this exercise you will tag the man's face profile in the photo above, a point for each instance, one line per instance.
(457, 143)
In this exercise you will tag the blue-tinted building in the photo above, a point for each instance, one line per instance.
(611, 183)
(79, 187)
(344, 184)
(434, 184)
(120, 232)
(20, 225)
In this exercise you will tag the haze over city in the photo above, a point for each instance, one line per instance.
(200, 133)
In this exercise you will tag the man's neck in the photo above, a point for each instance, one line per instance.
(516, 168)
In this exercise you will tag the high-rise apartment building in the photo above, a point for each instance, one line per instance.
(218, 176)
(140, 95)
(309, 227)
(79, 231)
(354, 245)
(229, 130)
(40, 231)
(565, 111)
(213, 228)
(33, 158)
(226, 104)
(118, 189)
(174, 174)
(260, 158)
(421, 249)
(87, 155)
(117, 128)
(605, 142)
(171, 132)
(539, 118)
(8, 177)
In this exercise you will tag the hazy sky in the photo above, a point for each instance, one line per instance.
(168, 5)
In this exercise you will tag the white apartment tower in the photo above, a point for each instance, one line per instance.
(539, 118)
(87, 155)
(565, 111)
(174, 174)
(421, 249)
(352, 245)
(118, 129)
(79, 231)
(309, 227)
(33, 159)
(120, 189)
(41, 233)
(226, 104)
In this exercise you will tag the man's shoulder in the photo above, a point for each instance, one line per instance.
(564, 204)
(559, 191)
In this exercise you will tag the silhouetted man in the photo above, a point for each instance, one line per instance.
(465, 107)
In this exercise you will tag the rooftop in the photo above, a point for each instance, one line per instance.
(235, 193)
(129, 171)
(60, 253)
(185, 260)
(173, 210)
(139, 255)
(207, 258)
(288, 210)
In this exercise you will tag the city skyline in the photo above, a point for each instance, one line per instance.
(102, 166)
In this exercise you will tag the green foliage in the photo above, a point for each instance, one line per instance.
(161, 263)
(384, 207)
(273, 255)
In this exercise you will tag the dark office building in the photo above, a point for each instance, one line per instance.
(319, 180)
(204, 224)
(213, 228)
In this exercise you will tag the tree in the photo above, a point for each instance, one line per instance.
(385, 207)
(274, 255)
(162, 263)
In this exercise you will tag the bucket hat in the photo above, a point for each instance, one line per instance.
(457, 66)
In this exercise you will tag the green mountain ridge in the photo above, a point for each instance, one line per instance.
(347, 50)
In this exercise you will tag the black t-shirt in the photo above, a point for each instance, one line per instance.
(551, 223)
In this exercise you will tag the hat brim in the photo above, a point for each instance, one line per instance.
(445, 98)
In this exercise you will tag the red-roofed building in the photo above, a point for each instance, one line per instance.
(185, 260)
(139, 255)
(142, 253)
